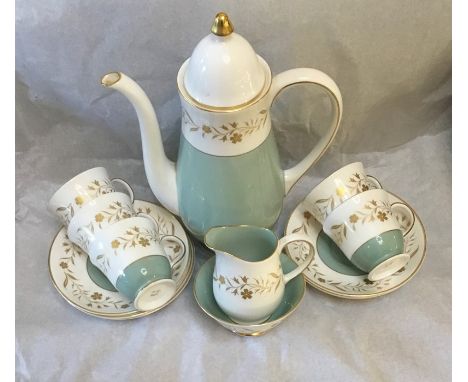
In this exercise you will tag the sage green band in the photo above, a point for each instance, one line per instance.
(141, 273)
(378, 249)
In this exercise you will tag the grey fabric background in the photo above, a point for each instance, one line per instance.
(392, 62)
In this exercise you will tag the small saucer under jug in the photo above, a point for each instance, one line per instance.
(248, 281)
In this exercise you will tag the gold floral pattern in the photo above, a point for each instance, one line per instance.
(232, 132)
(96, 296)
(100, 187)
(133, 237)
(94, 189)
(308, 218)
(68, 269)
(246, 287)
(91, 299)
(356, 184)
(358, 284)
(114, 212)
(375, 210)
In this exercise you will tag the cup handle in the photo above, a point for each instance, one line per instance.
(373, 182)
(180, 254)
(404, 215)
(301, 267)
(126, 185)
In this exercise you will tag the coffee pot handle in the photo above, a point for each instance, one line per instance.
(315, 77)
(310, 256)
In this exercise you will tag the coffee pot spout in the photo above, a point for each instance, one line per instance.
(160, 171)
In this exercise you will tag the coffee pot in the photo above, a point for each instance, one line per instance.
(228, 169)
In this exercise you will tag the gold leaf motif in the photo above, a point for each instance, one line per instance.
(241, 286)
(232, 132)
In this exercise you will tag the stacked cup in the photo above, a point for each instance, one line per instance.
(356, 214)
(123, 244)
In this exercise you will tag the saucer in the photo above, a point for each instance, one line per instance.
(85, 287)
(331, 272)
(203, 292)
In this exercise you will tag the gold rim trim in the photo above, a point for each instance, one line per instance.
(129, 315)
(223, 109)
(244, 226)
(232, 324)
(349, 296)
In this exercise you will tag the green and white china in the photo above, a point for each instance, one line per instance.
(365, 230)
(132, 255)
(248, 280)
(79, 190)
(98, 214)
(343, 184)
(332, 273)
(203, 292)
(85, 287)
(228, 171)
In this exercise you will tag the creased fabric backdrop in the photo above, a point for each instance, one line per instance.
(392, 62)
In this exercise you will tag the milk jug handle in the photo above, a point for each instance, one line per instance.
(308, 259)
(314, 77)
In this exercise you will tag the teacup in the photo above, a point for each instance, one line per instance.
(365, 230)
(79, 190)
(248, 279)
(343, 184)
(96, 215)
(131, 255)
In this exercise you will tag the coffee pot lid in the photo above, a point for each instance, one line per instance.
(224, 70)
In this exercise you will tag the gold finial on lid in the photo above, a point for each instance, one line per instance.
(222, 25)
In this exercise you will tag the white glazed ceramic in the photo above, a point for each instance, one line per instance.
(97, 214)
(364, 217)
(79, 190)
(84, 286)
(248, 280)
(224, 71)
(122, 243)
(332, 273)
(338, 187)
(226, 92)
(203, 293)
(361, 218)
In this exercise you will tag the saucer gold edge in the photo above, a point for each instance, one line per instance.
(234, 325)
(130, 314)
(372, 295)
(137, 314)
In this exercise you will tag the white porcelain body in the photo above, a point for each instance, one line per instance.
(124, 242)
(79, 190)
(229, 133)
(224, 71)
(98, 214)
(336, 188)
(226, 92)
(359, 219)
(246, 306)
(242, 138)
(249, 291)
(251, 124)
